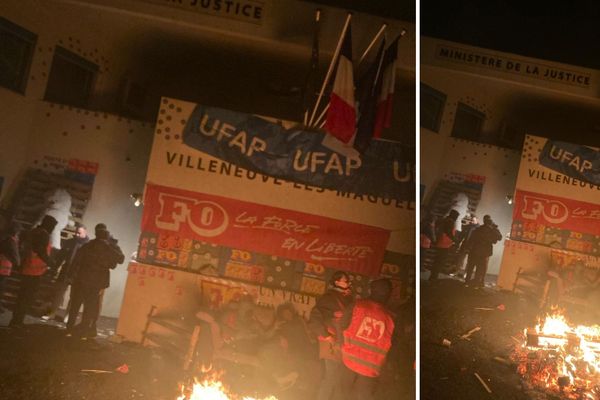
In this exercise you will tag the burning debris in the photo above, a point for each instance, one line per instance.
(561, 358)
(211, 387)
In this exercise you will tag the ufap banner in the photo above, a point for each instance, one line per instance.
(386, 169)
(247, 226)
(557, 212)
(580, 162)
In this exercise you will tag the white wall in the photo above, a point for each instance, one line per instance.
(532, 105)
(498, 166)
(15, 125)
(121, 148)
(122, 38)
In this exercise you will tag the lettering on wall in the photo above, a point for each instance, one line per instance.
(512, 65)
(250, 11)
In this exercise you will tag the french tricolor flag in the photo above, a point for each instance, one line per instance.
(383, 118)
(341, 116)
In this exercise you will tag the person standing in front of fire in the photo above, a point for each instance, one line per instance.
(480, 248)
(92, 264)
(445, 233)
(9, 253)
(324, 322)
(64, 260)
(36, 261)
(368, 328)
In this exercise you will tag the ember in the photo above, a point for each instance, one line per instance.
(561, 358)
(212, 388)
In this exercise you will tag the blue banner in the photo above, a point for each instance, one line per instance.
(579, 162)
(385, 170)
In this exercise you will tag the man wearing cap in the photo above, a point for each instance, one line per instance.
(480, 247)
(324, 322)
(367, 340)
(93, 263)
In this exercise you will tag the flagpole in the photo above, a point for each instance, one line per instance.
(318, 122)
(331, 65)
(317, 19)
(372, 43)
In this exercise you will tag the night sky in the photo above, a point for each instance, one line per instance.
(564, 31)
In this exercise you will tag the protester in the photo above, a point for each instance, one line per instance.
(465, 234)
(36, 261)
(369, 327)
(445, 238)
(92, 264)
(9, 253)
(427, 234)
(64, 261)
(289, 354)
(324, 322)
(480, 248)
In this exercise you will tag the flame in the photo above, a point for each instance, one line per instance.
(211, 388)
(566, 359)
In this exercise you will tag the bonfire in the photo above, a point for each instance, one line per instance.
(561, 358)
(211, 387)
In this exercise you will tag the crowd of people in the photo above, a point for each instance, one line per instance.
(83, 265)
(348, 336)
(338, 353)
(473, 243)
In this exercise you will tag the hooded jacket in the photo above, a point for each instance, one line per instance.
(93, 263)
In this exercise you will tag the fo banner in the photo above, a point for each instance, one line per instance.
(269, 230)
(557, 212)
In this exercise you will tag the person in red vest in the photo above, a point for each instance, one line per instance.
(324, 323)
(36, 261)
(445, 237)
(9, 253)
(367, 340)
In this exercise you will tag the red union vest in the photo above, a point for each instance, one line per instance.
(368, 338)
(33, 265)
(5, 264)
(444, 241)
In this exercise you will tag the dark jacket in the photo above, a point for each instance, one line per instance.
(327, 313)
(428, 229)
(36, 241)
(66, 256)
(9, 248)
(93, 263)
(482, 240)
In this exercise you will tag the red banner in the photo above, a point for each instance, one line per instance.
(557, 212)
(269, 230)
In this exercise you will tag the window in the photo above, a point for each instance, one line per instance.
(467, 123)
(16, 52)
(432, 107)
(511, 135)
(71, 79)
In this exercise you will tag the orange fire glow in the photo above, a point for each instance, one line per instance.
(213, 389)
(562, 358)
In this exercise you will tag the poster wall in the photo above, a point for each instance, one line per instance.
(556, 203)
(235, 200)
(208, 168)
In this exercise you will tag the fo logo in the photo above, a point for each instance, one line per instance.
(552, 211)
(371, 329)
(205, 218)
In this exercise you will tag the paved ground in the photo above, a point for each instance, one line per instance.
(40, 362)
(449, 310)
